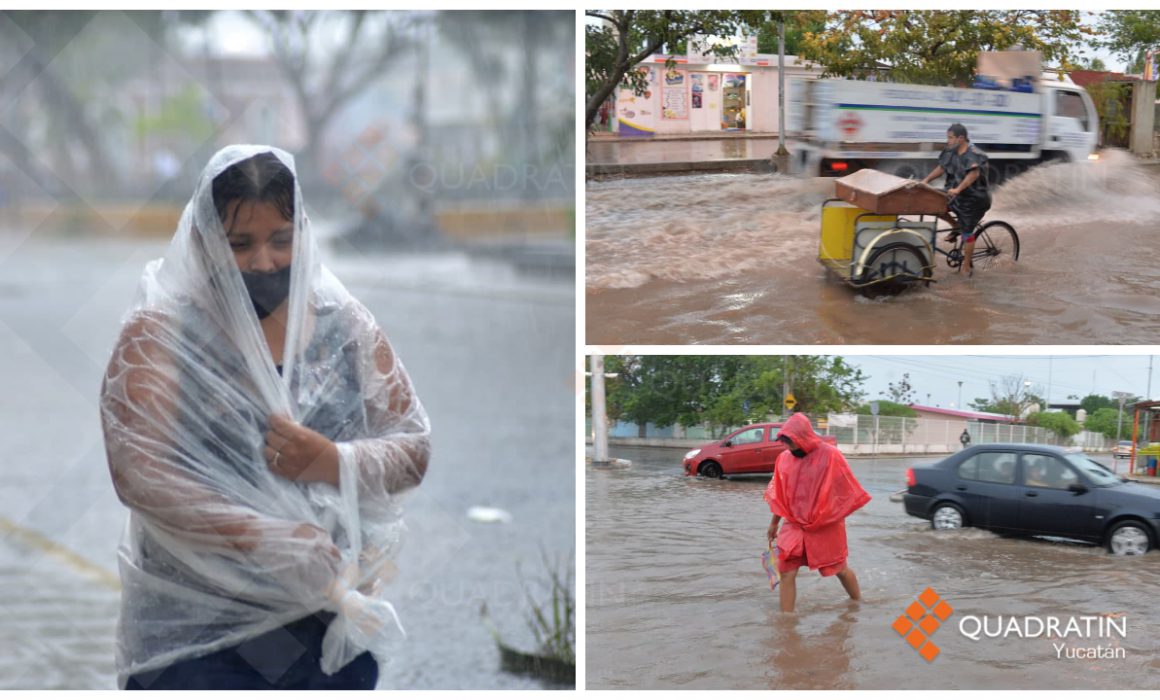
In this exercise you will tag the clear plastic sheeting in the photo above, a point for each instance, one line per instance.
(219, 548)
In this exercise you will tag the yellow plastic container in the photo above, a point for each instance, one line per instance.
(837, 242)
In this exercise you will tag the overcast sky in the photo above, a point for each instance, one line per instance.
(939, 375)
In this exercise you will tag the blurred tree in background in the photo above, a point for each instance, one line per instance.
(937, 47)
(726, 391)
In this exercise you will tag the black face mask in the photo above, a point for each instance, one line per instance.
(267, 289)
(798, 452)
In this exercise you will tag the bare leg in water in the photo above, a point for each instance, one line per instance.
(850, 583)
(787, 590)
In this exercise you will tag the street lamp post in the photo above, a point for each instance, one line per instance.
(959, 405)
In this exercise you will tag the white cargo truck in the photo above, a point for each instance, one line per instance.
(838, 126)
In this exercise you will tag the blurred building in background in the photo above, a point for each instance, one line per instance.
(409, 127)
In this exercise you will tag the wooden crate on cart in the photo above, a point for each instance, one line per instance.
(883, 193)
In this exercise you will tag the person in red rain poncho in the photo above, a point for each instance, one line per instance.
(813, 491)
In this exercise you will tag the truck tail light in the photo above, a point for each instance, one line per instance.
(839, 166)
(910, 477)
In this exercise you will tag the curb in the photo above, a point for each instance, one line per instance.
(760, 165)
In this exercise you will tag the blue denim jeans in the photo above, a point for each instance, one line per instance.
(287, 658)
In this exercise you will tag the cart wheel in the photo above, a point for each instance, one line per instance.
(894, 267)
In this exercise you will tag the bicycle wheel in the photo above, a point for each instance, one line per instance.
(996, 244)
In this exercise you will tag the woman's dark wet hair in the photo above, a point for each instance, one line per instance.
(262, 178)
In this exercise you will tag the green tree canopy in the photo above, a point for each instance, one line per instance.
(937, 47)
(1011, 396)
(725, 390)
(1094, 402)
(901, 391)
(1061, 424)
(888, 408)
(1103, 421)
(797, 23)
(1129, 33)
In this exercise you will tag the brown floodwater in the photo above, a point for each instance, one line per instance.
(731, 259)
(677, 597)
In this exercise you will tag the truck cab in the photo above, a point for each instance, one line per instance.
(1070, 123)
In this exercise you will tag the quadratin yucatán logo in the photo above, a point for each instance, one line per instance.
(923, 617)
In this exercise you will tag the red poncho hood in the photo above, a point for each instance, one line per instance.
(814, 494)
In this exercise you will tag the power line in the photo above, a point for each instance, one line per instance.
(913, 363)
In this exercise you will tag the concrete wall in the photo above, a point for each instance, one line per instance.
(1140, 136)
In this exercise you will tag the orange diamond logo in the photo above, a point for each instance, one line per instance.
(929, 624)
(942, 611)
(928, 597)
(916, 638)
(922, 619)
(928, 651)
(915, 611)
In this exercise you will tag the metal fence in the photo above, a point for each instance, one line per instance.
(888, 434)
(894, 434)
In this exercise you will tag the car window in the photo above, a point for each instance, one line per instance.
(994, 467)
(748, 437)
(1048, 472)
(1095, 472)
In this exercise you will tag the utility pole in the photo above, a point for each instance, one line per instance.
(781, 150)
(1122, 396)
(1149, 396)
(1047, 399)
(599, 423)
(960, 403)
(785, 385)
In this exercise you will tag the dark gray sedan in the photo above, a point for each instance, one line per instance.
(1035, 490)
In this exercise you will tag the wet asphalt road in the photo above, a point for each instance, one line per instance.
(677, 597)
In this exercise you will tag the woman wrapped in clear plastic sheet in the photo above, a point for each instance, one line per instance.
(260, 428)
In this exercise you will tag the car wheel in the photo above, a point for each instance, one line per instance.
(711, 470)
(1129, 537)
(947, 516)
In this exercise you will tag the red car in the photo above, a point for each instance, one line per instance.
(751, 450)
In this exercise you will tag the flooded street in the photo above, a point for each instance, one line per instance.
(732, 259)
(677, 597)
(490, 353)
